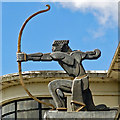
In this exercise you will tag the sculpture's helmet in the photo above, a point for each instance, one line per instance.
(60, 45)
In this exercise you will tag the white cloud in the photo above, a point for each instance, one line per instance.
(105, 11)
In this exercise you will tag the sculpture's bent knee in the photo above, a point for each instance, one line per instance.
(50, 84)
(56, 93)
(53, 85)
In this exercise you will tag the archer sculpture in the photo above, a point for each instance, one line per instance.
(71, 62)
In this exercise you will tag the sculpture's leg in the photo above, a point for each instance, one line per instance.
(88, 100)
(78, 88)
(77, 98)
(56, 89)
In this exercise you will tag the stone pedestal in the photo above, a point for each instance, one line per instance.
(82, 115)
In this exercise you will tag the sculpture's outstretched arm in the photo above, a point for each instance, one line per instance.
(93, 54)
(39, 57)
(22, 57)
(56, 56)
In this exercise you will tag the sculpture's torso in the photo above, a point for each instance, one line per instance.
(71, 62)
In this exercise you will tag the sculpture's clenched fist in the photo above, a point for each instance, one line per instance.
(21, 57)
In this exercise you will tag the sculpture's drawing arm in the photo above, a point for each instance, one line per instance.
(92, 54)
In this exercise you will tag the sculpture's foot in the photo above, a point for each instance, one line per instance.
(77, 106)
(100, 107)
(61, 109)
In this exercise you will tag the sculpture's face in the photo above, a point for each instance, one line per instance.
(56, 48)
(59, 47)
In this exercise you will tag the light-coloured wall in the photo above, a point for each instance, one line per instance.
(106, 93)
(104, 90)
(17, 92)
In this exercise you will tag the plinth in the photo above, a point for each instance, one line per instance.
(82, 115)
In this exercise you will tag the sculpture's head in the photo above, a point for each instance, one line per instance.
(61, 45)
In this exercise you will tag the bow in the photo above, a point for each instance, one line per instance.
(19, 63)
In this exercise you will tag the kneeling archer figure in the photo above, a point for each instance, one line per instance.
(71, 62)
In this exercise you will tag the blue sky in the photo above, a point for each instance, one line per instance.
(87, 28)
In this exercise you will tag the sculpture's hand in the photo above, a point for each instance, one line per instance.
(97, 53)
(21, 57)
(93, 54)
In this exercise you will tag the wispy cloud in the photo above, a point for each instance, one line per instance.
(105, 11)
(97, 33)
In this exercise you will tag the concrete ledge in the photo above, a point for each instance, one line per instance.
(47, 76)
(82, 115)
